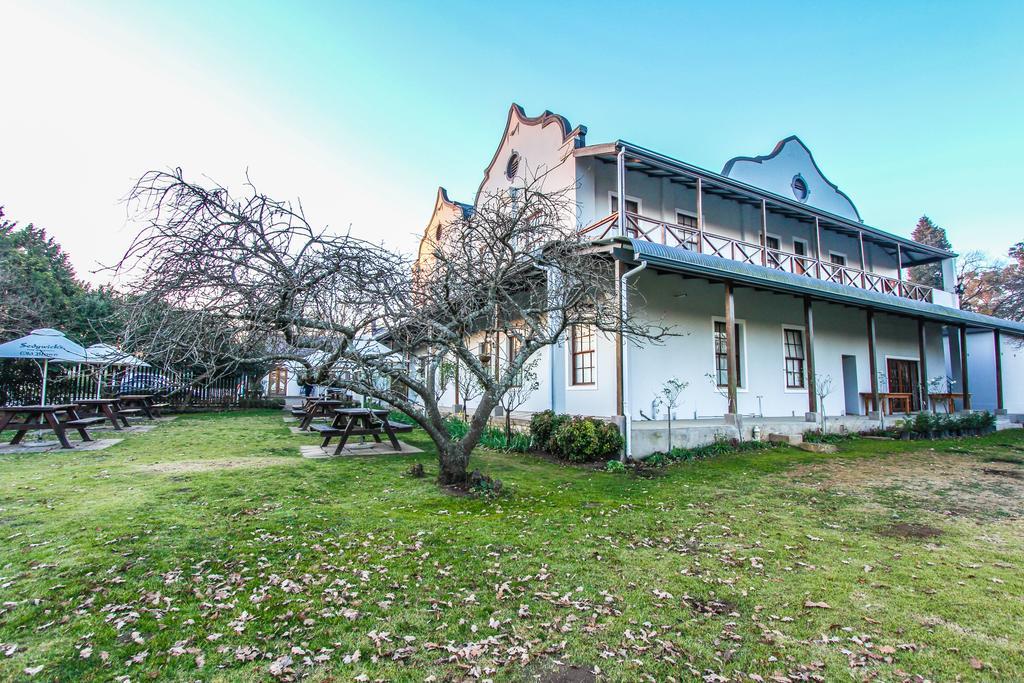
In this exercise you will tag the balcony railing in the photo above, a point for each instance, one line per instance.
(673, 235)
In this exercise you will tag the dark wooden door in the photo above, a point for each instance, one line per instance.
(903, 379)
(277, 382)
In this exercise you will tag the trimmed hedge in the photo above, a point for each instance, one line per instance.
(577, 439)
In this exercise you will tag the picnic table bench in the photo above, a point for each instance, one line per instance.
(46, 417)
(107, 409)
(361, 422)
(144, 403)
(319, 407)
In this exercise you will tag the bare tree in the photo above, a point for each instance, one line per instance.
(519, 393)
(823, 388)
(670, 394)
(250, 279)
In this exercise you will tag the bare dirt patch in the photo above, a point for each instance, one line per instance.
(908, 530)
(193, 466)
(565, 673)
(959, 483)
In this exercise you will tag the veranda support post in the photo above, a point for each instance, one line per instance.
(730, 347)
(1000, 408)
(922, 354)
(812, 389)
(964, 383)
(873, 362)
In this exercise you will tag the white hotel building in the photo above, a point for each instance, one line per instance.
(767, 258)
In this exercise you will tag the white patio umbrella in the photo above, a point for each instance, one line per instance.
(45, 345)
(106, 356)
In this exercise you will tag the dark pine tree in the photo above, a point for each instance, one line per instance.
(927, 232)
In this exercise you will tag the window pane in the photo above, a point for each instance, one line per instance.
(794, 350)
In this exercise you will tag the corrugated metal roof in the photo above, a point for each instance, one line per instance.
(716, 267)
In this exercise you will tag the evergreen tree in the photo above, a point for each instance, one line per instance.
(927, 232)
(38, 288)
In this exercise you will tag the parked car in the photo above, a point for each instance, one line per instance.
(146, 384)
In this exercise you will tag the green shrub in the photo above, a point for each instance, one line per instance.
(586, 439)
(720, 446)
(399, 416)
(494, 437)
(615, 467)
(817, 436)
(457, 427)
(925, 423)
(543, 426)
(491, 437)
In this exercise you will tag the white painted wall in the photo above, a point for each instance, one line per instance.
(690, 305)
(981, 371)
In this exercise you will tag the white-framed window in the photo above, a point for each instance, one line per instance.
(801, 247)
(794, 354)
(688, 220)
(739, 352)
(582, 355)
(837, 258)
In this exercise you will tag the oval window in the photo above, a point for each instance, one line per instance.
(800, 190)
(512, 167)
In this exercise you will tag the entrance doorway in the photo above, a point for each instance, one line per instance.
(850, 393)
(903, 379)
(277, 382)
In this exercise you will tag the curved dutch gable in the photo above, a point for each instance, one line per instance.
(782, 172)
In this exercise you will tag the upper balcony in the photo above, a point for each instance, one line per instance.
(694, 239)
(669, 202)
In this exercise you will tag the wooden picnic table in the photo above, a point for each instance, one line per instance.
(318, 407)
(147, 403)
(110, 408)
(361, 422)
(46, 417)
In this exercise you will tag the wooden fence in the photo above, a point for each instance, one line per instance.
(69, 383)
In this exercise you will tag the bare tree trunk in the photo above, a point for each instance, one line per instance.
(453, 464)
(508, 428)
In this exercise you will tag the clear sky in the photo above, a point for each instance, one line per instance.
(361, 110)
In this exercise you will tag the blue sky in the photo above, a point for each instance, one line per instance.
(363, 109)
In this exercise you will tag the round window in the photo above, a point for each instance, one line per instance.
(512, 167)
(799, 186)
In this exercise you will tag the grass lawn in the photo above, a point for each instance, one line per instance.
(208, 549)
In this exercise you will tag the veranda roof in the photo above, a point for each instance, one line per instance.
(718, 268)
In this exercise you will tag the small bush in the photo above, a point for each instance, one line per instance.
(491, 437)
(615, 467)
(484, 486)
(818, 436)
(543, 426)
(399, 416)
(494, 437)
(457, 427)
(586, 439)
(720, 446)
